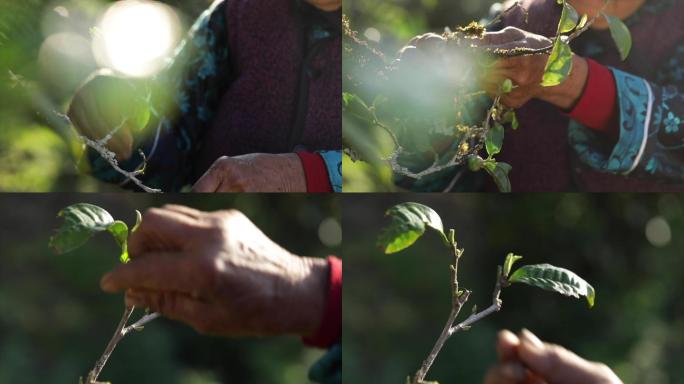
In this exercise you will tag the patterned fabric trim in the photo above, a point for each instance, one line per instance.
(333, 161)
(636, 104)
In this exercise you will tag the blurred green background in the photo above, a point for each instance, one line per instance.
(55, 321)
(388, 26)
(45, 54)
(627, 246)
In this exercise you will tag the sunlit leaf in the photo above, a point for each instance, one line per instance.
(621, 35)
(494, 139)
(81, 222)
(119, 230)
(508, 264)
(583, 21)
(555, 279)
(559, 65)
(138, 220)
(569, 19)
(507, 86)
(408, 223)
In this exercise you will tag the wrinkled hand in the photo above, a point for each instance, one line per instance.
(103, 103)
(257, 172)
(524, 359)
(220, 274)
(526, 72)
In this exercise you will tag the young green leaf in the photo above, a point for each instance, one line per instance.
(621, 35)
(499, 172)
(551, 278)
(81, 222)
(559, 65)
(138, 220)
(507, 86)
(569, 19)
(508, 264)
(408, 223)
(119, 230)
(583, 21)
(494, 139)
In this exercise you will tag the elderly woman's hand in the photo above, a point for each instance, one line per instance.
(220, 274)
(524, 359)
(257, 172)
(526, 72)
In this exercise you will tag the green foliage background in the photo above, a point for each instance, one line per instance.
(55, 321)
(397, 22)
(35, 154)
(396, 305)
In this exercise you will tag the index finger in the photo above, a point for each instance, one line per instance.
(159, 272)
(507, 345)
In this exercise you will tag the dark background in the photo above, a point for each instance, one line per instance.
(396, 305)
(55, 321)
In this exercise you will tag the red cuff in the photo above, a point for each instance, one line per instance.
(316, 172)
(597, 107)
(330, 331)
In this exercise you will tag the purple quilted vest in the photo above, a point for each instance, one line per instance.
(257, 113)
(539, 150)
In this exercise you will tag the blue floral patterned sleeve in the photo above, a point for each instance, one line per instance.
(333, 162)
(651, 141)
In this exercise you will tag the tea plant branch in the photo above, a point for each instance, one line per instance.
(118, 335)
(81, 222)
(140, 324)
(100, 146)
(495, 307)
(409, 223)
(458, 299)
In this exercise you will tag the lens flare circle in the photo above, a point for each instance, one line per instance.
(134, 37)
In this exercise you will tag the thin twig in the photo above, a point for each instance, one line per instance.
(138, 325)
(458, 299)
(450, 329)
(118, 335)
(121, 331)
(495, 307)
(110, 157)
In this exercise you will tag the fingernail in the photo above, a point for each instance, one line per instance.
(530, 338)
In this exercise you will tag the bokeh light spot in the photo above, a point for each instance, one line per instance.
(135, 37)
(658, 232)
(373, 34)
(330, 232)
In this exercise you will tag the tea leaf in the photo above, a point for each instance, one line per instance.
(555, 279)
(408, 223)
